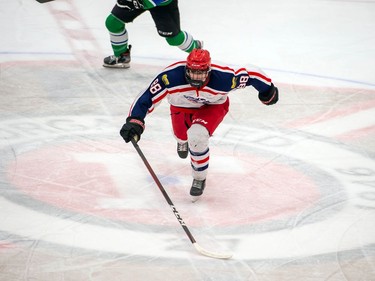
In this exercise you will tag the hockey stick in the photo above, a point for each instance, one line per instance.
(176, 213)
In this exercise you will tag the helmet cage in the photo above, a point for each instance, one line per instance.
(197, 77)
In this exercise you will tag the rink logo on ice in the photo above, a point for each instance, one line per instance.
(80, 167)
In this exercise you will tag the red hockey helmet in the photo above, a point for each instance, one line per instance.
(198, 67)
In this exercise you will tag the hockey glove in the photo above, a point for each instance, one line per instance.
(133, 128)
(269, 97)
(130, 4)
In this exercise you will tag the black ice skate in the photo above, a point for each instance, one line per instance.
(182, 150)
(197, 188)
(123, 61)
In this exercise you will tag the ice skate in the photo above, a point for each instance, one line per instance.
(197, 189)
(182, 150)
(123, 61)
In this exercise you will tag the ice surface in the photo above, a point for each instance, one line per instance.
(290, 190)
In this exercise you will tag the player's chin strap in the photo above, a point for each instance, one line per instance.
(201, 250)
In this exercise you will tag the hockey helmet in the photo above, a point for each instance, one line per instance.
(198, 68)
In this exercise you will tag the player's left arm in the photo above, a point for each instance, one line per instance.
(268, 93)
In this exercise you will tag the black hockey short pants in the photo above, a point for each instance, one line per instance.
(166, 18)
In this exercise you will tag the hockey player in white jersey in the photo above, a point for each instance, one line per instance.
(197, 92)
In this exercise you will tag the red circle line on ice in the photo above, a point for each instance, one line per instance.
(72, 177)
(76, 144)
(86, 178)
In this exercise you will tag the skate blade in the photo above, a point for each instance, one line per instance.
(119, 65)
(194, 198)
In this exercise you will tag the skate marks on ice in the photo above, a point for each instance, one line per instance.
(86, 183)
(73, 188)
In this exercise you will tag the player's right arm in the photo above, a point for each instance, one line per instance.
(147, 100)
(143, 104)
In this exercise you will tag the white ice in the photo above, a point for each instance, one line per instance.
(291, 187)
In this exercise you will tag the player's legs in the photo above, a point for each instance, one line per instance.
(181, 121)
(198, 137)
(203, 124)
(118, 35)
(210, 116)
(196, 126)
(167, 21)
(115, 24)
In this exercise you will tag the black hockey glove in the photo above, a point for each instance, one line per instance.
(130, 4)
(133, 128)
(269, 97)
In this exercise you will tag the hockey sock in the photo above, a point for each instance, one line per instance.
(118, 35)
(182, 40)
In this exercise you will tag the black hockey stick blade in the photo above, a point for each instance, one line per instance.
(44, 1)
